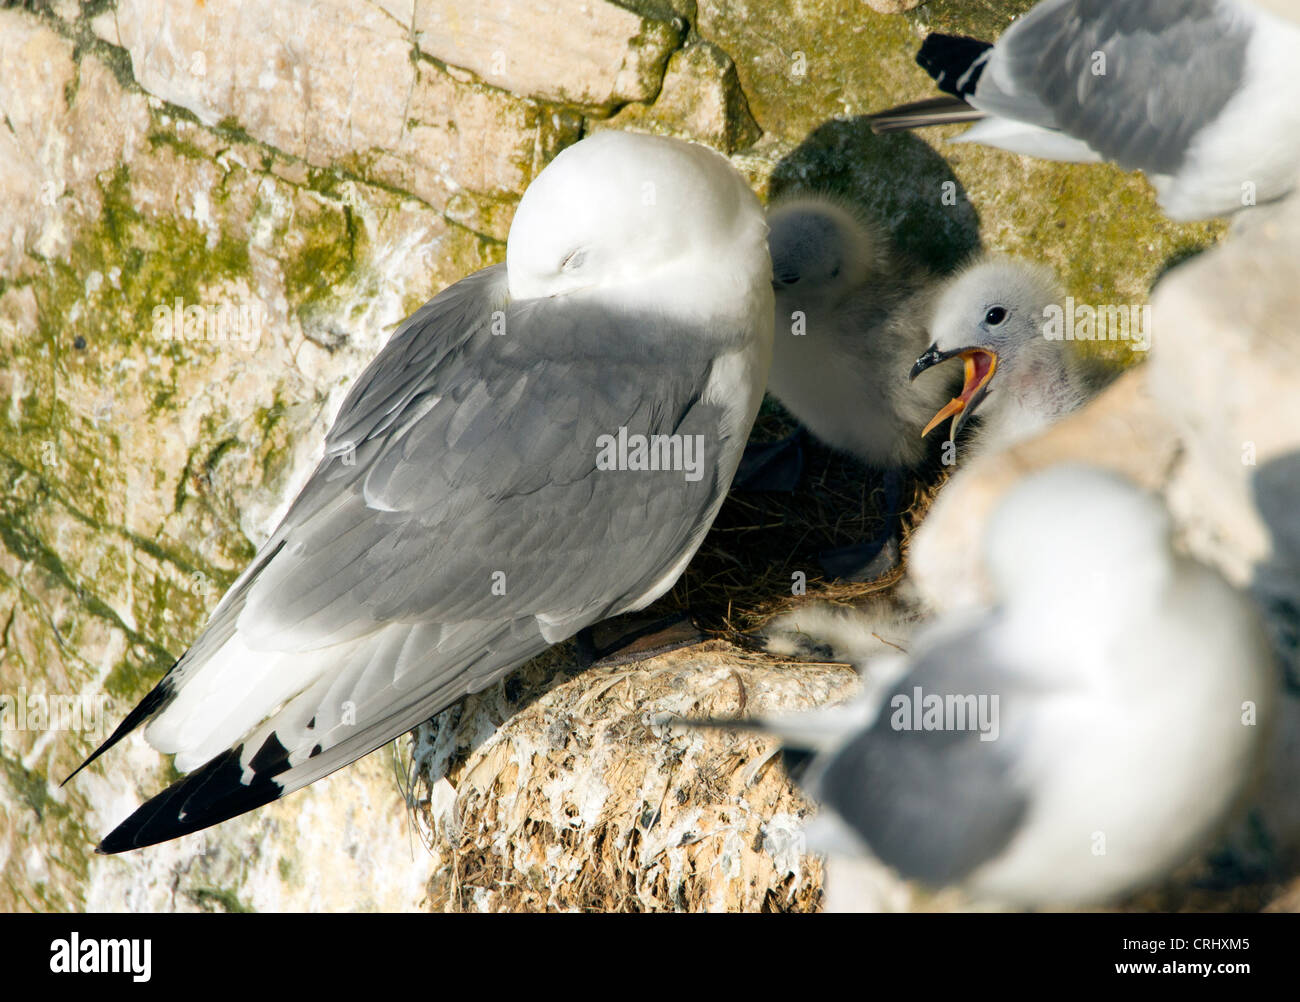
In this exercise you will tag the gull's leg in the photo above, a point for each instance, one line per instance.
(871, 558)
(635, 637)
(771, 466)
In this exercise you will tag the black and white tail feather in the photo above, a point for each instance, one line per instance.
(955, 62)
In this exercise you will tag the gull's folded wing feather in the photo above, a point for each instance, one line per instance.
(1135, 81)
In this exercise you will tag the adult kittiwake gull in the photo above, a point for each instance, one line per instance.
(994, 316)
(1087, 734)
(541, 446)
(852, 316)
(1200, 95)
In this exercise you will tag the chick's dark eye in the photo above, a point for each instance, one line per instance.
(573, 259)
(995, 316)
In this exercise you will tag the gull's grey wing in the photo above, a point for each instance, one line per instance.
(1170, 68)
(457, 526)
(489, 465)
(934, 804)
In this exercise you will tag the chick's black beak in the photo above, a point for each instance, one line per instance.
(980, 365)
(933, 356)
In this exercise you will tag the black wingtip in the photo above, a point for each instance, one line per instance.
(955, 62)
(157, 698)
(209, 795)
(919, 114)
(795, 761)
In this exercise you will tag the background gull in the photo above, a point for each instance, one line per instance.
(1135, 696)
(458, 523)
(1200, 95)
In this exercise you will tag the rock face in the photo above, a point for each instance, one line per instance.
(212, 215)
(351, 93)
(596, 54)
(892, 6)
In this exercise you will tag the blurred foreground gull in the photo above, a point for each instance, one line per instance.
(1201, 95)
(993, 317)
(851, 318)
(1079, 740)
(541, 446)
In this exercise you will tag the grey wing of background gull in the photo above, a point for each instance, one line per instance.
(1170, 68)
(458, 453)
(934, 805)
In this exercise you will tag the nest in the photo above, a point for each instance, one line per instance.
(575, 790)
(742, 575)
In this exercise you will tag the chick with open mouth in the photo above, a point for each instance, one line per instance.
(980, 367)
(991, 316)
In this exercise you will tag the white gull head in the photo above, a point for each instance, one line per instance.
(1050, 534)
(640, 221)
